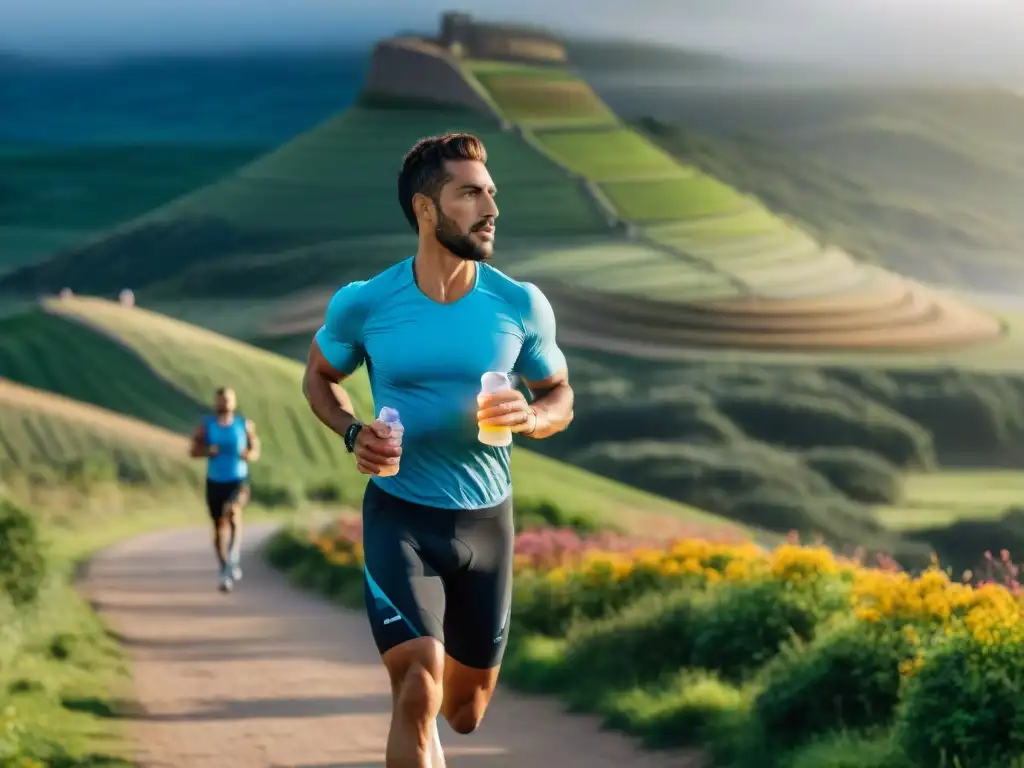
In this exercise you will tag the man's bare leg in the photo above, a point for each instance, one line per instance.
(416, 669)
(220, 540)
(235, 544)
(436, 754)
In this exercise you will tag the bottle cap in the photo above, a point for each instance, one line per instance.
(494, 381)
(389, 415)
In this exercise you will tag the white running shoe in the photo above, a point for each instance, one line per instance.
(226, 582)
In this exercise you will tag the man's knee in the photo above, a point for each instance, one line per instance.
(419, 693)
(467, 692)
(464, 717)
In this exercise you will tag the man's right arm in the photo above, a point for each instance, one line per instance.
(335, 353)
(198, 448)
(327, 399)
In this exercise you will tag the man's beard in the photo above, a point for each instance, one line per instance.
(461, 244)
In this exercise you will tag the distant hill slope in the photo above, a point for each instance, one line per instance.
(926, 181)
(49, 435)
(173, 367)
(336, 182)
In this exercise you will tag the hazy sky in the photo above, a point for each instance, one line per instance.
(968, 32)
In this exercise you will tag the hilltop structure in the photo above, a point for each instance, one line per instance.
(436, 60)
(464, 37)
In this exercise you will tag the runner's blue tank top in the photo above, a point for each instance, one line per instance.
(227, 466)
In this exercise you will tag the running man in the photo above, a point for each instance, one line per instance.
(437, 536)
(229, 442)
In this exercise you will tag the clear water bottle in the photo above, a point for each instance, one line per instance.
(491, 383)
(390, 417)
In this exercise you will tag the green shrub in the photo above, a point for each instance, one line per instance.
(650, 637)
(862, 476)
(22, 561)
(537, 513)
(845, 750)
(287, 548)
(647, 419)
(970, 415)
(965, 704)
(534, 663)
(847, 677)
(549, 607)
(268, 492)
(802, 421)
(742, 626)
(326, 491)
(690, 708)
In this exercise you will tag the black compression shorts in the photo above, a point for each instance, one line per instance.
(219, 494)
(442, 573)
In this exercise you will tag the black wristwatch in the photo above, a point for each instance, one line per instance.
(351, 434)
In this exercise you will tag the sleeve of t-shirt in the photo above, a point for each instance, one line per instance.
(340, 338)
(540, 356)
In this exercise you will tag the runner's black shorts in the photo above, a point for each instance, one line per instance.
(441, 573)
(220, 494)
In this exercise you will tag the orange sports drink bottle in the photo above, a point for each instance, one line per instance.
(491, 383)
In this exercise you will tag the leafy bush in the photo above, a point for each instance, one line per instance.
(539, 513)
(268, 492)
(22, 561)
(651, 636)
(802, 421)
(847, 677)
(689, 708)
(860, 475)
(964, 706)
(743, 626)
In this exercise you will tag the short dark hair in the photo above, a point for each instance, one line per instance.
(423, 170)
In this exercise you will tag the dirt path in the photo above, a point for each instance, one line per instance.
(268, 676)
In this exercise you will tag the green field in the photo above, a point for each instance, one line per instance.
(623, 267)
(539, 97)
(697, 196)
(59, 439)
(937, 500)
(605, 154)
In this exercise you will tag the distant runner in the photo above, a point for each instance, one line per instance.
(438, 535)
(230, 442)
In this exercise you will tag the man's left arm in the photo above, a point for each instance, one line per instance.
(544, 370)
(253, 451)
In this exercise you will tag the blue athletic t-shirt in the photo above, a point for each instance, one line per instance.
(425, 359)
(227, 465)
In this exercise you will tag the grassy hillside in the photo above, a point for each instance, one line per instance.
(928, 182)
(333, 183)
(55, 197)
(55, 438)
(178, 366)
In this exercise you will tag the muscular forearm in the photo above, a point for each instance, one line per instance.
(554, 411)
(330, 403)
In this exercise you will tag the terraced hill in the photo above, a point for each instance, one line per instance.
(45, 432)
(636, 248)
(150, 366)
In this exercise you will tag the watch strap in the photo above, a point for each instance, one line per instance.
(351, 434)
